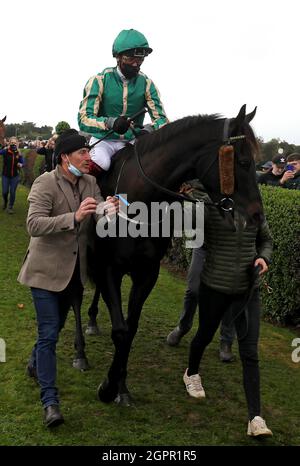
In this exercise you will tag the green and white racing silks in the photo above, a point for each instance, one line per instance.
(107, 95)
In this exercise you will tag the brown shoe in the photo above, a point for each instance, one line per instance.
(53, 416)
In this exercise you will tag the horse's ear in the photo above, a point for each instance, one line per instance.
(251, 115)
(3, 119)
(241, 115)
(238, 121)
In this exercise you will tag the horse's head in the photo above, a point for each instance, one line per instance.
(238, 136)
(2, 131)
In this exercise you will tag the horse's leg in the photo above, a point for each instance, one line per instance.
(80, 361)
(143, 283)
(111, 293)
(92, 327)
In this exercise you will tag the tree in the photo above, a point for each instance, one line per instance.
(28, 130)
(270, 148)
(61, 127)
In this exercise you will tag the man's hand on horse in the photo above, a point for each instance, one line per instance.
(112, 205)
(109, 207)
(185, 188)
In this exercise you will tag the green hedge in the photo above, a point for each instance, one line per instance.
(282, 208)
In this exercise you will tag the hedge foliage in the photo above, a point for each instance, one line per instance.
(282, 208)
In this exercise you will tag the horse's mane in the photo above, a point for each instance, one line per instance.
(169, 131)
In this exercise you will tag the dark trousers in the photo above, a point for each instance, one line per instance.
(51, 312)
(227, 331)
(212, 307)
(9, 186)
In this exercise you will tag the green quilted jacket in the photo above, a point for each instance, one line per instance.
(231, 254)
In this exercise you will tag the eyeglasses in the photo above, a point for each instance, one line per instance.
(131, 60)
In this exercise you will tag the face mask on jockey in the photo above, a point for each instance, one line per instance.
(130, 65)
(129, 71)
(74, 170)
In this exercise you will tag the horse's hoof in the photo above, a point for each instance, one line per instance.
(124, 399)
(81, 364)
(107, 392)
(92, 330)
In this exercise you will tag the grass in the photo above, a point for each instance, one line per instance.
(164, 414)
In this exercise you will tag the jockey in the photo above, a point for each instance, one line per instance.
(115, 94)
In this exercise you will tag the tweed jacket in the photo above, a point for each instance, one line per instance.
(56, 241)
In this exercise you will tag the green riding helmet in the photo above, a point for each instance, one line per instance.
(133, 41)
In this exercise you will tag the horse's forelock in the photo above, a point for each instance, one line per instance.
(251, 138)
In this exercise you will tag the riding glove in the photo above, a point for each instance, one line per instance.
(120, 125)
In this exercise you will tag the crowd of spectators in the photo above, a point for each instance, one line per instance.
(281, 171)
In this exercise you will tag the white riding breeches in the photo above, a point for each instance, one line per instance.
(102, 153)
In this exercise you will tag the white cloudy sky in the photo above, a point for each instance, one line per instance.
(209, 57)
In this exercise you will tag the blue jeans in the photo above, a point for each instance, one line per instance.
(9, 186)
(51, 312)
(227, 330)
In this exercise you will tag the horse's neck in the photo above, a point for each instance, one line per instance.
(171, 164)
(168, 164)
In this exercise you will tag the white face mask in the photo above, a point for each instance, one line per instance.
(74, 170)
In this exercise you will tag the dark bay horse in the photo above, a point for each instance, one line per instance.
(182, 150)
(2, 132)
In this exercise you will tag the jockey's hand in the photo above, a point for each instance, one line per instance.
(120, 125)
(263, 265)
(87, 207)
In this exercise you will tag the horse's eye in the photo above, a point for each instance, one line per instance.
(244, 163)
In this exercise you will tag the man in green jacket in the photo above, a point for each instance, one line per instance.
(117, 93)
(229, 281)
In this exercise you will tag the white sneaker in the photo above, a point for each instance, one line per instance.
(193, 385)
(258, 428)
